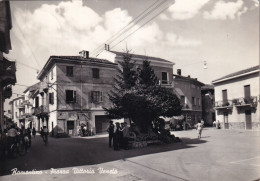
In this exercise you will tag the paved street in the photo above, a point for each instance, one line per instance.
(219, 155)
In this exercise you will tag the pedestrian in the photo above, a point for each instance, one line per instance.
(41, 132)
(125, 136)
(121, 128)
(218, 125)
(29, 136)
(116, 137)
(202, 122)
(34, 132)
(110, 131)
(199, 129)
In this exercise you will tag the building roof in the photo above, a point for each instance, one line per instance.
(72, 60)
(194, 80)
(80, 58)
(238, 73)
(32, 87)
(207, 87)
(142, 57)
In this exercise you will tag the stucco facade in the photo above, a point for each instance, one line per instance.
(189, 91)
(76, 94)
(237, 100)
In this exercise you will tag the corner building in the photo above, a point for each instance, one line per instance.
(237, 99)
(74, 91)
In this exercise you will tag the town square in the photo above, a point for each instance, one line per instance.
(129, 90)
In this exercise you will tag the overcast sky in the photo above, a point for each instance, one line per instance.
(224, 33)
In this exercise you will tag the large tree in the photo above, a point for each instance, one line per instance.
(139, 97)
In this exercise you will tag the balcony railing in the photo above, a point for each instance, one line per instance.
(40, 110)
(185, 106)
(250, 101)
(223, 104)
(26, 102)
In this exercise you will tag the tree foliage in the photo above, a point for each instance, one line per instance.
(138, 96)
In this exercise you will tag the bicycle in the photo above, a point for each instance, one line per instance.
(12, 148)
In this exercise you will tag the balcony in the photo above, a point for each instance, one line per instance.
(41, 110)
(7, 91)
(7, 72)
(185, 106)
(21, 105)
(26, 102)
(227, 104)
(245, 102)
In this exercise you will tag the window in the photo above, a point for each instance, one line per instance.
(182, 100)
(193, 101)
(224, 97)
(95, 73)
(51, 98)
(198, 101)
(69, 71)
(36, 101)
(70, 96)
(164, 78)
(247, 93)
(51, 74)
(96, 96)
(16, 115)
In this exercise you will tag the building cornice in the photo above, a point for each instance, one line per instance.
(233, 77)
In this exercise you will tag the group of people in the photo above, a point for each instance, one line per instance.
(118, 135)
(18, 137)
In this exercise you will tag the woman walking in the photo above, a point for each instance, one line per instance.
(199, 129)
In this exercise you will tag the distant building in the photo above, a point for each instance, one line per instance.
(208, 100)
(18, 111)
(237, 99)
(189, 91)
(163, 69)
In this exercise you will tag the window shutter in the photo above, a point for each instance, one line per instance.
(74, 96)
(101, 96)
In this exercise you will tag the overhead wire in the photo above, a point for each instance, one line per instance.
(131, 24)
(34, 57)
(101, 46)
(142, 25)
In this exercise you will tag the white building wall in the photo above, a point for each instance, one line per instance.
(235, 90)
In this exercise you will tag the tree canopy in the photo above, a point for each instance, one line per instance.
(138, 96)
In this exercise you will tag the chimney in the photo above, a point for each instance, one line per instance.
(179, 71)
(107, 47)
(188, 76)
(84, 54)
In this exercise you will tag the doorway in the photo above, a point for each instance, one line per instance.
(226, 125)
(70, 127)
(248, 119)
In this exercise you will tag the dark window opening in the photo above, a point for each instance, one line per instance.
(164, 78)
(51, 98)
(95, 73)
(70, 71)
(193, 101)
(36, 101)
(70, 96)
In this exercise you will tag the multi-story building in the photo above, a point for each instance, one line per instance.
(7, 68)
(237, 101)
(29, 95)
(163, 69)
(208, 100)
(18, 111)
(189, 91)
(73, 92)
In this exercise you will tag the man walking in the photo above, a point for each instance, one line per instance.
(110, 131)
